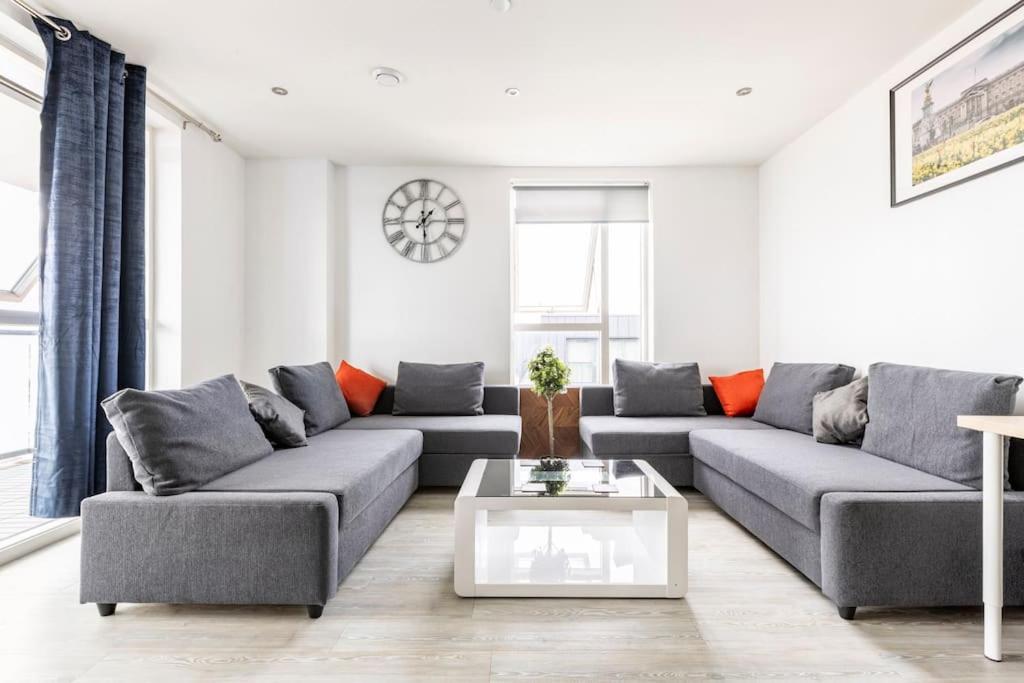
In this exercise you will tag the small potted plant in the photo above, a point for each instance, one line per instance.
(550, 377)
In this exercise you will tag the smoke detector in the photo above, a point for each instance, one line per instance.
(388, 78)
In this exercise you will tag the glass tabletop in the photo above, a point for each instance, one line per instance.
(567, 477)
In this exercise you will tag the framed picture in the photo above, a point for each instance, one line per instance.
(962, 115)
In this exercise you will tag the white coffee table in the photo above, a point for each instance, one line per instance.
(626, 537)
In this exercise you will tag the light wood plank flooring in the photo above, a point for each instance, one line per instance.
(748, 616)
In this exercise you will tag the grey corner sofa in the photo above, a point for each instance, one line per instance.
(288, 528)
(867, 530)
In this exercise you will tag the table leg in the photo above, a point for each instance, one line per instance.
(465, 547)
(992, 544)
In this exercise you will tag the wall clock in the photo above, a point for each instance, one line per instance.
(424, 220)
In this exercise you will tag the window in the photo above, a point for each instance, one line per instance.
(19, 291)
(579, 276)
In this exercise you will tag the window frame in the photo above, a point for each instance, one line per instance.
(598, 259)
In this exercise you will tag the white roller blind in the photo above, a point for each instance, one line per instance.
(581, 204)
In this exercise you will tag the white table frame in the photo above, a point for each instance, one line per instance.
(468, 504)
(995, 432)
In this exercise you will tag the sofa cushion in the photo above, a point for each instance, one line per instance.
(281, 420)
(912, 412)
(840, 415)
(738, 393)
(315, 389)
(607, 435)
(360, 389)
(180, 439)
(656, 389)
(354, 466)
(428, 389)
(472, 434)
(788, 394)
(793, 471)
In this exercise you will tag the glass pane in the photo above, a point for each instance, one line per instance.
(555, 271)
(19, 216)
(19, 182)
(17, 391)
(580, 350)
(625, 290)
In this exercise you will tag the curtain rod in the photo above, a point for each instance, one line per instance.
(18, 89)
(63, 34)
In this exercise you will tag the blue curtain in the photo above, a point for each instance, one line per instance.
(92, 334)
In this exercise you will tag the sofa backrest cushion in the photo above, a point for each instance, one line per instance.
(599, 399)
(430, 389)
(314, 389)
(499, 399)
(644, 389)
(912, 417)
(281, 420)
(180, 439)
(788, 395)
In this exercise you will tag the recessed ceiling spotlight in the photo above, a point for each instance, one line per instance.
(278, 90)
(389, 78)
(501, 5)
(744, 91)
(512, 92)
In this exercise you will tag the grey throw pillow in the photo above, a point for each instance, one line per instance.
(788, 394)
(280, 419)
(179, 440)
(314, 389)
(840, 415)
(913, 417)
(426, 389)
(656, 389)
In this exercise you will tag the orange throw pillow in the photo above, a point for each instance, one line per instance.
(360, 389)
(738, 393)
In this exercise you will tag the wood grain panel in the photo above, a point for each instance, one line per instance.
(534, 411)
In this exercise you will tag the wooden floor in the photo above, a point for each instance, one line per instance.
(748, 616)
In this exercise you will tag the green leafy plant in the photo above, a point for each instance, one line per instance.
(550, 377)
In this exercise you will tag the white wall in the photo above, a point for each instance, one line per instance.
(846, 278)
(290, 293)
(704, 269)
(197, 256)
(212, 252)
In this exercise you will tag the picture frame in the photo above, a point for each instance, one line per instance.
(961, 116)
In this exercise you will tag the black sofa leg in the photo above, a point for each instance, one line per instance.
(106, 608)
(847, 612)
(315, 611)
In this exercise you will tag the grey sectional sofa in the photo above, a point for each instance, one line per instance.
(868, 530)
(289, 527)
(664, 442)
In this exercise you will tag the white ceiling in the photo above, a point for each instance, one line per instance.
(604, 82)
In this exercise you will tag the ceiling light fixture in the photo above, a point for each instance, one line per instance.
(512, 92)
(744, 91)
(389, 78)
(278, 90)
(501, 5)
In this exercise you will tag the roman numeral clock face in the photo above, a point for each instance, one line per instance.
(424, 221)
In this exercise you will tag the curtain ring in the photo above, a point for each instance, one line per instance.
(63, 34)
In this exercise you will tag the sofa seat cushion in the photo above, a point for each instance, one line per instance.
(354, 466)
(607, 435)
(792, 471)
(473, 434)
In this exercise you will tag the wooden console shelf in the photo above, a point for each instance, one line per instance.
(534, 411)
